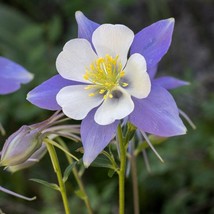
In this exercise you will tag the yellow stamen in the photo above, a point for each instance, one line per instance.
(122, 73)
(104, 74)
(102, 91)
(124, 84)
(91, 94)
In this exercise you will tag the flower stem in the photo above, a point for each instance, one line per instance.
(122, 170)
(134, 184)
(2, 131)
(56, 166)
(77, 178)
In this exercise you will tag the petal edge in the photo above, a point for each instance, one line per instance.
(153, 41)
(158, 114)
(95, 137)
(44, 95)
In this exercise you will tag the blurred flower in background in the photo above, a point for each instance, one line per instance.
(12, 75)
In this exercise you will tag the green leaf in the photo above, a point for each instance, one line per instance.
(68, 171)
(130, 131)
(80, 194)
(45, 183)
(102, 161)
(111, 172)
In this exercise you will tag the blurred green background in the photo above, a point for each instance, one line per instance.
(32, 33)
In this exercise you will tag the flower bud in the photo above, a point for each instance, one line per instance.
(25, 147)
(20, 146)
(33, 159)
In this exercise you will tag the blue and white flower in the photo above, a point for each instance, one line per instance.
(107, 74)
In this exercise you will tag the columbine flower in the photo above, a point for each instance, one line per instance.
(12, 75)
(25, 147)
(97, 83)
(106, 78)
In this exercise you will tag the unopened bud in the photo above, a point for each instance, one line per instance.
(20, 146)
(25, 147)
(33, 159)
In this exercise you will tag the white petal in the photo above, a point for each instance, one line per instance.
(113, 40)
(114, 108)
(76, 102)
(77, 55)
(139, 84)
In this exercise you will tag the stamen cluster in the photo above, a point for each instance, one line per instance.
(105, 74)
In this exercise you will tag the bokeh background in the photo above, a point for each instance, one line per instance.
(32, 33)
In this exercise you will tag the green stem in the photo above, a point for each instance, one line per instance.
(56, 166)
(134, 184)
(122, 170)
(2, 131)
(77, 178)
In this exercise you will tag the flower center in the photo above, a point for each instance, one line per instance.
(105, 74)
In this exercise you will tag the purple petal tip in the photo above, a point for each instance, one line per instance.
(12, 75)
(171, 19)
(86, 164)
(78, 14)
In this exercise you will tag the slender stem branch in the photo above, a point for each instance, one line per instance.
(56, 166)
(77, 178)
(122, 170)
(2, 131)
(58, 146)
(135, 184)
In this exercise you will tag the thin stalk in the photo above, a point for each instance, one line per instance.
(2, 189)
(134, 184)
(59, 147)
(77, 178)
(122, 171)
(2, 131)
(57, 169)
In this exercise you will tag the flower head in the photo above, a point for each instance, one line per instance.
(106, 78)
(101, 83)
(12, 75)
